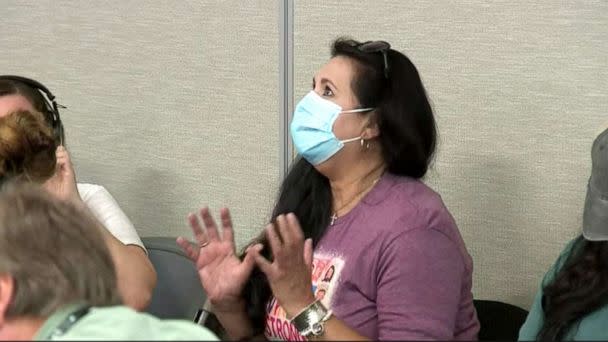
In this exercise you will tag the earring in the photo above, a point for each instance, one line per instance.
(365, 143)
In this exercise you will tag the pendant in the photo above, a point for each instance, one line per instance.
(334, 217)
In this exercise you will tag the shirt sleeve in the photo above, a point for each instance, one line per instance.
(535, 320)
(108, 212)
(419, 287)
(536, 317)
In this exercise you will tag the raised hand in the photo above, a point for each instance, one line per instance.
(63, 182)
(222, 274)
(290, 273)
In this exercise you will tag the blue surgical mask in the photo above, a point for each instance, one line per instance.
(311, 128)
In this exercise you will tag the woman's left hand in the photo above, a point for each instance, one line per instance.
(290, 273)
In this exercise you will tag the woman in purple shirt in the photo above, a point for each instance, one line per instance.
(383, 254)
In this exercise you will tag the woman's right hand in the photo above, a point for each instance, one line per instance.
(63, 183)
(222, 274)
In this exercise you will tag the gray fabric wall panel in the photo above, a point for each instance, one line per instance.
(519, 89)
(171, 104)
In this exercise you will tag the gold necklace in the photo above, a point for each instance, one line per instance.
(334, 216)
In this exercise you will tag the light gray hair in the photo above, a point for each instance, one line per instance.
(55, 253)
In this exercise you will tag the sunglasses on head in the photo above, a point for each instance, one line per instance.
(377, 46)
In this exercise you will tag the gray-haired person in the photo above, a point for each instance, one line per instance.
(57, 278)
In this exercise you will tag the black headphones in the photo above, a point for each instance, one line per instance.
(51, 113)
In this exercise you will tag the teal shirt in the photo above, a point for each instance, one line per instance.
(121, 323)
(592, 327)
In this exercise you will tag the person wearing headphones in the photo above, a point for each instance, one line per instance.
(32, 148)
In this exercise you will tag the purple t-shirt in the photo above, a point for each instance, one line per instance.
(394, 268)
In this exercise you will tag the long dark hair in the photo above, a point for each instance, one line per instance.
(579, 288)
(407, 137)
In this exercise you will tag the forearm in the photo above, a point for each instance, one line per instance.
(236, 324)
(135, 274)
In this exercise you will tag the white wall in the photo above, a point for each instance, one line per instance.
(172, 105)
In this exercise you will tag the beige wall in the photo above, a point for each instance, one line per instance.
(175, 104)
(171, 104)
(519, 89)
